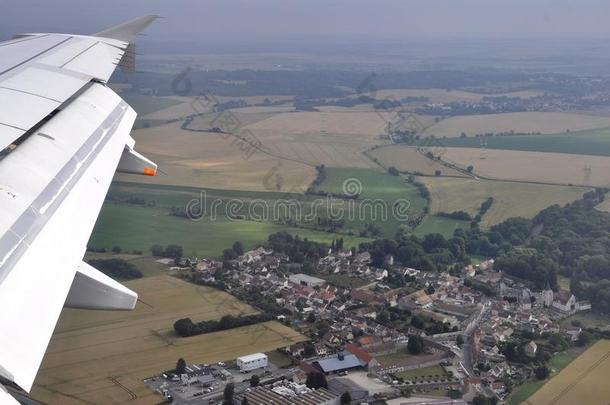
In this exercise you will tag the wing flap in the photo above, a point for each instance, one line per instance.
(23, 110)
(92, 289)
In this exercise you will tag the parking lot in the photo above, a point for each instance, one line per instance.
(206, 382)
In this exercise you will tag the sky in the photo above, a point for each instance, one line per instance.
(247, 20)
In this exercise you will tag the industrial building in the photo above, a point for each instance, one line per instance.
(290, 393)
(304, 279)
(252, 362)
(341, 362)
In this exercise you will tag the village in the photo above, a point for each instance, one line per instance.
(392, 334)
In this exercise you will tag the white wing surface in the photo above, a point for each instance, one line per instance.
(63, 134)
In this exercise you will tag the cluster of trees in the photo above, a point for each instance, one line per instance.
(320, 178)
(234, 251)
(186, 327)
(459, 215)
(299, 250)
(171, 251)
(316, 380)
(393, 171)
(416, 344)
(117, 268)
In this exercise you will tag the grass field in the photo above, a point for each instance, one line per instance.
(522, 122)
(390, 359)
(444, 226)
(588, 320)
(424, 374)
(409, 159)
(134, 227)
(583, 381)
(374, 185)
(590, 142)
(510, 199)
(89, 348)
(556, 168)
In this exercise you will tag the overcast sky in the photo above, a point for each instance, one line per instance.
(344, 19)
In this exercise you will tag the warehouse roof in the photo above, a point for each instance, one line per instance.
(332, 364)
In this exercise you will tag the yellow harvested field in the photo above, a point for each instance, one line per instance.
(177, 111)
(447, 96)
(203, 159)
(584, 381)
(103, 357)
(409, 159)
(297, 124)
(334, 138)
(555, 168)
(523, 122)
(510, 199)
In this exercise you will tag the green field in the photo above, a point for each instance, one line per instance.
(444, 226)
(424, 374)
(588, 142)
(134, 227)
(372, 185)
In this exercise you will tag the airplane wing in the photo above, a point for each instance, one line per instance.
(63, 134)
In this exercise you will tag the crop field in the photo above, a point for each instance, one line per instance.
(335, 138)
(203, 159)
(447, 96)
(583, 381)
(134, 227)
(331, 138)
(553, 168)
(591, 142)
(409, 159)
(522, 122)
(510, 199)
(103, 356)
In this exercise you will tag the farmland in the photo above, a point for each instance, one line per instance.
(371, 185)
(591, 142)
(584, 380)
(522, 122)
(91, 353)
(510, 199)
(446, 96)
(553, 168)
(205, 159)
(138, 228)
(409, 159)
(331, 138)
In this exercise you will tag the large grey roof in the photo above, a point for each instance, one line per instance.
(334, 364)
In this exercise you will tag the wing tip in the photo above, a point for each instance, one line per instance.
(128, 30)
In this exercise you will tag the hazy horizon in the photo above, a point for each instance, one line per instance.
(387, 20)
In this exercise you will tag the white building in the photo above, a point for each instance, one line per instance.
(252, 362)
